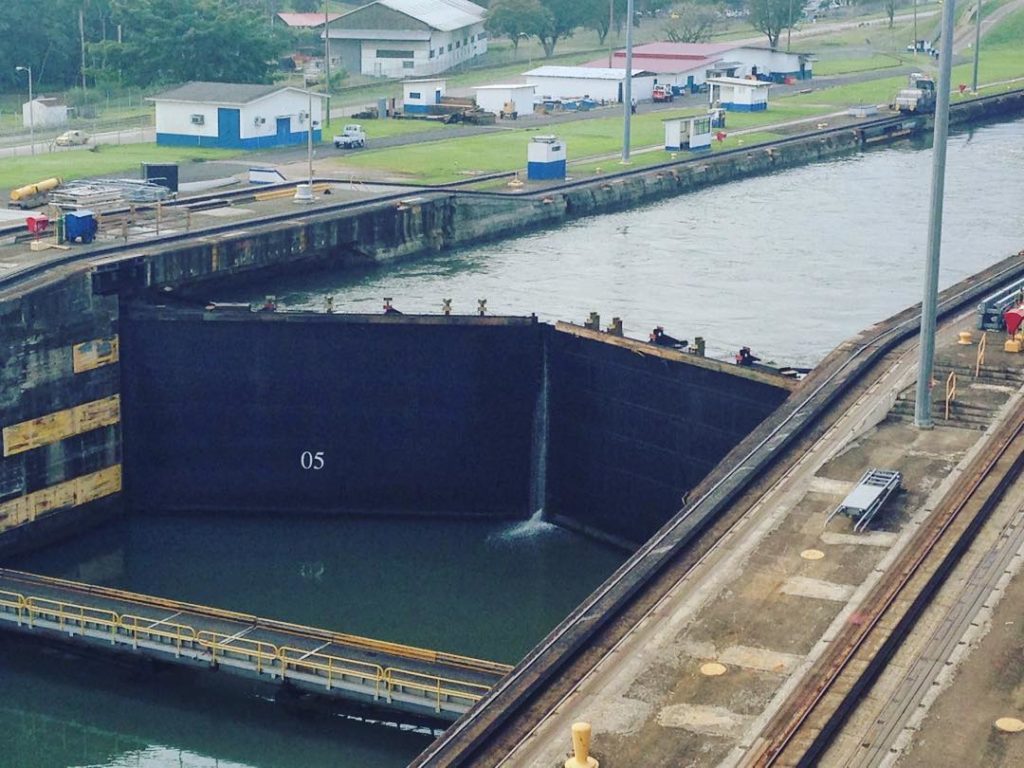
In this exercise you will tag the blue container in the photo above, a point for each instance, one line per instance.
(80, 224)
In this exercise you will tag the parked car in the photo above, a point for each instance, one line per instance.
(72, 139)
(662, 93)
(352, 136)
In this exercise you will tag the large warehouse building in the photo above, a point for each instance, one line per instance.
(408, 38)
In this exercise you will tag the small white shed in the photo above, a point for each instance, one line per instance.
(419, 95)
(605, 83)
(737, 94)
(44, 112)
(493, 98)
(236, 115)
(692, 133)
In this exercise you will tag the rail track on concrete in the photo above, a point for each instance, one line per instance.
(803, 729)
(512, 712)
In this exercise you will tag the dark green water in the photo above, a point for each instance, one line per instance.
(484, 588)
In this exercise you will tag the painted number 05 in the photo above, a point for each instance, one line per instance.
(310, 460)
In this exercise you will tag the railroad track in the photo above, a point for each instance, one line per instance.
(804, 728)
(508, 717)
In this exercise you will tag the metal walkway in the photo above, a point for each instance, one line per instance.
(867, 497)
(386, 675)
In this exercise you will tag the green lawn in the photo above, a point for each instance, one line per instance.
(17, 171)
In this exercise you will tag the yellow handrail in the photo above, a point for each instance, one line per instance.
(333, 666)
(981, 354)
(137, 626)
(70, 613)
(950, 391)
(242, 646)
(263, 654)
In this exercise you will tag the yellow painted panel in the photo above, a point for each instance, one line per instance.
(94, 354)
(70, 493)
(98, 484)
(47, 500)
(56, 426)
(13, 512)
(98, 413)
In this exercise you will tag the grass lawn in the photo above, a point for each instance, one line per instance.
(17, 171)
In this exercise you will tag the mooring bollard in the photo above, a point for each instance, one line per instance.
(581, 748)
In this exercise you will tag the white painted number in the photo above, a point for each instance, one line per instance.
(310, 460)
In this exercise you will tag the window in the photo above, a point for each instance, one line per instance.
(414, 95)
(449, 47)
(431, 53)
(458, 44)
(481, 36)
(407, 65)
(387, 53)
(465, 41)
(198, 119)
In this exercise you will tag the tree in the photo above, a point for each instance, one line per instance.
(597, 17)
(559, 20)
(890, 11)
(515, 19)
(691, 23)
(772, 17)
(169, 41)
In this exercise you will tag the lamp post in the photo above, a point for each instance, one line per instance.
(304, 192)
(789, 28)
(31, 110)
(327, 61)
(627, 91)
(977, 47)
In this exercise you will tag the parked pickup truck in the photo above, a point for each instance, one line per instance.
(662, 93)
(352, 136)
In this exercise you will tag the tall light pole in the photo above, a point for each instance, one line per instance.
(306, 195)
(915, 29)
(923, 407)
(977, 47)
(31, 110)
(627, 91)
(327, 61)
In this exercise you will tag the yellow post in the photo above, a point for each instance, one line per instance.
(581, 748)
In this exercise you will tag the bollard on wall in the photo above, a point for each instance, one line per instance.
(581, 748)
(615, 329)
(593, 322)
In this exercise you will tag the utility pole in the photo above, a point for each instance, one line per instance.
(627, 90)
(789, 29)
(915, 29)
(611, 23)
(31, 110)
(327, 61)
(81, 36)
(923, 407)
(977, 46)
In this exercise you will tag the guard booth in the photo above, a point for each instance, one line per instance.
(691, 133)
(545, 158)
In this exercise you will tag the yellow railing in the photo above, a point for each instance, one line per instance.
(265, 656)
(981, 354)
(950, 391)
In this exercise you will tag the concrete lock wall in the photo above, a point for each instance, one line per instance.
(633, 427)
(59, 410)
(289, 413)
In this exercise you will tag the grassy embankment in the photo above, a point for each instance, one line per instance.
(594, 144)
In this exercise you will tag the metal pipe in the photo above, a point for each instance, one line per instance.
(627, 90)
(977, 47)
(923, 406)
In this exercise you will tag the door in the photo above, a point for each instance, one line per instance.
(284, 129)
(437, 95)
(229, 128)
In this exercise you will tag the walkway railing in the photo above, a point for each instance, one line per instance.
(437, 692)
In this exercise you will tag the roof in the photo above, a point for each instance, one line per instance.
(222, 93)
(585, 73)
(309, 20)
(379, 34)
(661, 65)
(739, 81)
(502, 87)
(678, 50)
(444, 15)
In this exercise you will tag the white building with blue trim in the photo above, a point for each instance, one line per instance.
(236, 116)
(737, 94)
